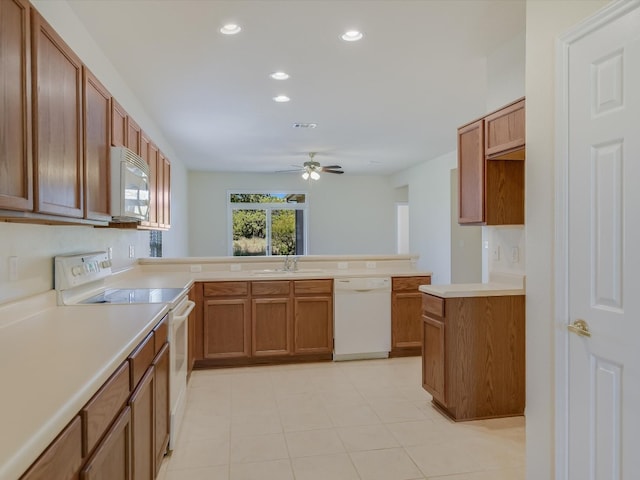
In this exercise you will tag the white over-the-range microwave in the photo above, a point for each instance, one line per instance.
(129, 186)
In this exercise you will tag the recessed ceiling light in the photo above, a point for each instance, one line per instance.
(281, 99)
(351, 36)
(279, 75)
(230, 29)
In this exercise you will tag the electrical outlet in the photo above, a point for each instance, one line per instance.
(485, 244)
(371, 264)
(195, 268)
(235, 267)
(496, 253)
(515, 255)
(132, 251)
(343, 265)
(110, 253)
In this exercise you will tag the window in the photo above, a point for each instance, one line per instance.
(267, 223)
(155, 243)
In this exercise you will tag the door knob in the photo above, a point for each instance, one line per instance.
(580, 327)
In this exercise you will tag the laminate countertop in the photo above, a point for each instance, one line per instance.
(53, 359)
(499, 285)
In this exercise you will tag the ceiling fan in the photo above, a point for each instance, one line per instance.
(312, 168)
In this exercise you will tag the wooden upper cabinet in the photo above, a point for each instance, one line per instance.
(97, 120)
(471, 173)
(491, 168)
(57, 99)
(16, 175)
(118, 125)
(134, 136)
(504, 133)
(154, 184)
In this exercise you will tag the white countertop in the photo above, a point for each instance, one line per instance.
(498, 286)
(54, 358)
(52, 362)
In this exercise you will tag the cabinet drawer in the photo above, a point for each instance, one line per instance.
(432, 305)
(100, 411)
(281, 287)
(226, 289)
(63, 458)
(160, 334)
(409, 283)
(140, 359)
(302, 287)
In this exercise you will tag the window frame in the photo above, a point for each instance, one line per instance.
(269, 207)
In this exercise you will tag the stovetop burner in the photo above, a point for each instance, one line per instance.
(116, 296)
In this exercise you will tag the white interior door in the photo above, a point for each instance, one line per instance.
(601, 230)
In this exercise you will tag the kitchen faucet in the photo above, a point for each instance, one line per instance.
(290, 264)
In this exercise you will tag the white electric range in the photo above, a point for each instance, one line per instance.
(83, 279)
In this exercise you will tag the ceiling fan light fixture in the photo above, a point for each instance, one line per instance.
(305, 175)
(279, 75)
(230, 29)
(314, 175)
(352, 36)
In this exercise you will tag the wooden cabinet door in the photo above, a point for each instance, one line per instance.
(504, 133)
(58, 164)
(313, 325)
(142, 404)
(149, 154)
(16, 174)
(227, 328)
(134, 136)
(433, 358)
(270, 326)
(406, 321)
(162, 408)
(62, 459)
(97, 171)
(118, 125)
(471, 173)
(111, 459)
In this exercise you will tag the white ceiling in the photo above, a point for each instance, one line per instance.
(390, 101)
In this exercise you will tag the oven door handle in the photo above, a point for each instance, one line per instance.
(190, 305)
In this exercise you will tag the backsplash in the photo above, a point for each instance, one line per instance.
(31, 248)
(504, 250)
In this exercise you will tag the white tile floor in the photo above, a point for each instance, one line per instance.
(364, 420)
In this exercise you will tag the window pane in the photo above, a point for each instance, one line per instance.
(287, 232)
(249, 232)
(267, 197)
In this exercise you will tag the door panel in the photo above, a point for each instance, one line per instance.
(603, 229)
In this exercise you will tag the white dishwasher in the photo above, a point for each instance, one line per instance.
(362, 318)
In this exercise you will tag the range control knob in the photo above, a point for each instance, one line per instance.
(77, 270)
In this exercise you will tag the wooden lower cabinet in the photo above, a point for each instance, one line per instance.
(406, 322)
(111, 460)
(162, 408)
(263, 321)
(142, 403)
(227, 328)
(63, 458)
(473, 361)
(121, 433)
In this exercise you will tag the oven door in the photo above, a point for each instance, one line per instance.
(178, 344)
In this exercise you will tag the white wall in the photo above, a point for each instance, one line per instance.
(430, 213)
(466, 243)
(506, 73)
(545, 21)
(347, 214)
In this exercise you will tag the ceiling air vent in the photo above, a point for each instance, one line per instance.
(305, 125)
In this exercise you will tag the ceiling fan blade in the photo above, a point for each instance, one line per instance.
(293, 170)
(331, 167)
(332, 171)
